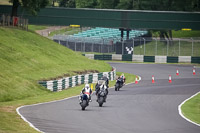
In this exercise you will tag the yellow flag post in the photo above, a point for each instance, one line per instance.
(92, 86)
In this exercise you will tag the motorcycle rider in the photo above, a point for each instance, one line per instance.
(101, 86)
(105, 78)
(123, 77)
(88, 91)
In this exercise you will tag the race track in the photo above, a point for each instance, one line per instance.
(137, 108)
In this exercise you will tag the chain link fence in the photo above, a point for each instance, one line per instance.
(7, 20)
(87, 44)
(138, 46)
(166, 47)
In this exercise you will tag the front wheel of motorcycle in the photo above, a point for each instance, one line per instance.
(84, 104)
(118, 88)
(101, 99)
(115, 88)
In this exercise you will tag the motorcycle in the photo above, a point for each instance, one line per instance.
(84, 101)
(119, 84)
(101, 97)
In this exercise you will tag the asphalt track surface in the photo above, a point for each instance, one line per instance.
(136, 108)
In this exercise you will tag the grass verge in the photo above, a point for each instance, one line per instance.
(191, 109)
(65, 31)
(36, 27)
(182, 34)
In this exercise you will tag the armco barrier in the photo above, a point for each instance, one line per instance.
(142, 58)
(98, 57)
(149, 58)
(66, 82)
(107, 57)
(127, 57)
(103, 57)
(195, 60)
(172, 59)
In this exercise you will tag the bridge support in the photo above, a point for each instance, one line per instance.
(122, 33)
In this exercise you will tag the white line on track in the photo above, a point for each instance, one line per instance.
(31, 125)
(180, 111)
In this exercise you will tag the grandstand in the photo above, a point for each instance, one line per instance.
(108, 34)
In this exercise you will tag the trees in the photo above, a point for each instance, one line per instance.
(167, 5)
(86, 3)
(67, 3)
(107, 4)
(125, 4)
(32, 6)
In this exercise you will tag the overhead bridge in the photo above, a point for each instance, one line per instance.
(124, 19)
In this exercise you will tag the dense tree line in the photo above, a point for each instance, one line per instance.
(158, 5)
(161, 5)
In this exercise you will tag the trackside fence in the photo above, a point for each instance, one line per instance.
(137, 46)
(8, 21)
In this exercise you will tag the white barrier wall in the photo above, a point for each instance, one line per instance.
(50, 85)
(160, 59)
(184, 59)
(95, 78)
(138, 58)
(90, 56)
(117, 57)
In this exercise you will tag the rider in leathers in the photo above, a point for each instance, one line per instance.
(105, 78)
(101, 87)
(123, 77)
(88, 91)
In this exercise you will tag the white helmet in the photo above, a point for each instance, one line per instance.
(105, 75)
(87, 86)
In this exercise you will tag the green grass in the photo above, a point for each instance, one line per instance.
(36, 27)
(65, 31)
(185, 34)
(181, 34)
(27, 57)
(191, 109)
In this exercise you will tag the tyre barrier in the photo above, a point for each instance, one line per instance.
(142, 58)
(67, 82)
